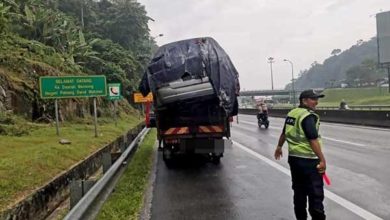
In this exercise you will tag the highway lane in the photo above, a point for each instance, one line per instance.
(247, 186)
(241, 187)
(358, 159)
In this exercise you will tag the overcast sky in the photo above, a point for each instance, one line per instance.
(250, 31)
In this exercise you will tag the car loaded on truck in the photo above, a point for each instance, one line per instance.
(195, 88)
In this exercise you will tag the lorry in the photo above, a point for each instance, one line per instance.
(195, 88)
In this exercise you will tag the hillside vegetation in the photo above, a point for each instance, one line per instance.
(356, 67)
(61, 38)
(69, 37)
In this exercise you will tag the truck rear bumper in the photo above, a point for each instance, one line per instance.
(204, 146)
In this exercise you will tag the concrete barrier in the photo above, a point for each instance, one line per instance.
(368, 118)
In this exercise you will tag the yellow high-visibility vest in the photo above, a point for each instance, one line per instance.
(298, 144)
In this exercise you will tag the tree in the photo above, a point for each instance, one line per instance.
(114, 40)
(365, 73)
(335, 52)
(3, 18)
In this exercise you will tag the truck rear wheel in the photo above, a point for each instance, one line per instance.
(216, 159)
(168, 156)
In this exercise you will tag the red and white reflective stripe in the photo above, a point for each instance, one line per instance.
(211, 129)
(201, 129)
(180, 130)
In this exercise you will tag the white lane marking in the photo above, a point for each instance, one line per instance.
(335, 198)
(261, 157)
(246, 122)
(255, 124)
(251, 130)
(326, 138)
(345, 142)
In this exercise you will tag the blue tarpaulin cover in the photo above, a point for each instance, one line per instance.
(194, 58)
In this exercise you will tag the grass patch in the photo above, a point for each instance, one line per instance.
(14, 125)
(127, 199)
(356, 96)
(33, 159)
(353, 96)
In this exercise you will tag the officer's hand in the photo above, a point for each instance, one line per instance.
(278, 153)
(321, 167)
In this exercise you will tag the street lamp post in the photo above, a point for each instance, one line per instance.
(292, 80)
(270, 61)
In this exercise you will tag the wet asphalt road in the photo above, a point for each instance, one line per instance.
(246, 185)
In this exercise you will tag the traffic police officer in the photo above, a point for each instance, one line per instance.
(306, 160)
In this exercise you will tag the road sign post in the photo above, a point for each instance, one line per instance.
(56, 109)
(383, 41)
(147, 112)
(114, 94)
(95, 116)
(61, 87)
(139, 98)
(145, 101)
(115, 112)
(388, 77)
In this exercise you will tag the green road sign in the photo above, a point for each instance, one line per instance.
(56, 87)
(114, 91)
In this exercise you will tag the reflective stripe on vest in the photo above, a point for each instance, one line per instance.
(298, 144)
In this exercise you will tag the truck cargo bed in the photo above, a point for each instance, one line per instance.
(183, 90)
(191, 113)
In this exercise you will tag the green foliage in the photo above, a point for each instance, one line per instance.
(13, 125)
(123, 22)
(31, 59)
(335, 52)
(366, 72)
(3, 18)
(47, 37)
(116, 63)
(72, 37)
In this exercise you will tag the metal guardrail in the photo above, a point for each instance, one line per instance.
(353, 107)
(273, 92)
(357, 107)
(89, 206)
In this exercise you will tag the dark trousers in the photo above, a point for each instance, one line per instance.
(307, 183)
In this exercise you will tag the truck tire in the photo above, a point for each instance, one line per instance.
(168, 157)
(216, 159)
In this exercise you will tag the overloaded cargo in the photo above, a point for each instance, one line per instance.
(192, 70)
(195, 88)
